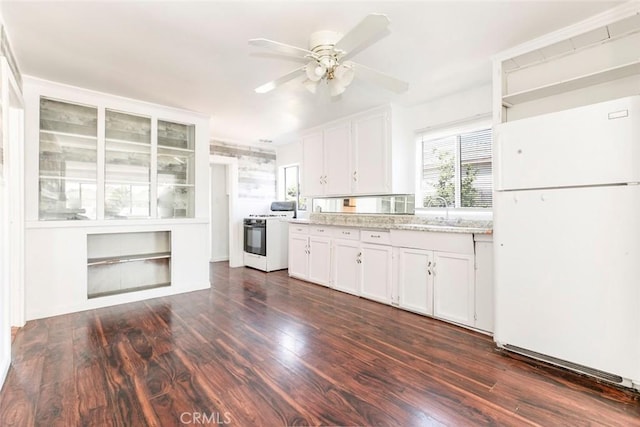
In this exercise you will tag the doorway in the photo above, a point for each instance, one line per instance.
(219, 213)
(226, 229)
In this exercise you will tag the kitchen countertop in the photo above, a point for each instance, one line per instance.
(399, 222)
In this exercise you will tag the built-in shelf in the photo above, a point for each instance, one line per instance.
(126, 262)
(575, 83)
(127, 258)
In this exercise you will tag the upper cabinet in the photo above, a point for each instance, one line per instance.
(326, 157)
(365, 154)
(592, 61)
(99, 156)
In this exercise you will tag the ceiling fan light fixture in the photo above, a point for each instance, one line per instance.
(314, 71)
(344, 74)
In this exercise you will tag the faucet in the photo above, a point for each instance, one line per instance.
(444, 201)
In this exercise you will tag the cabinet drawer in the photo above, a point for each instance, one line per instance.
(297, 228)
(346, 233)
(316, 230)
(371, 236)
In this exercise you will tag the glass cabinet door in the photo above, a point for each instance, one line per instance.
(175, 170)
(68, 155)
(127, 165)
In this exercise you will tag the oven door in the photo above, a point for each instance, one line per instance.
(255, 236)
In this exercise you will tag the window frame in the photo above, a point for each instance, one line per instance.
(441, 132)
(283, 186)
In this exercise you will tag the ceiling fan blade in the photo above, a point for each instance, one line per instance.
(281, 47)
(370, 27)
(379, 78)
(267, 87)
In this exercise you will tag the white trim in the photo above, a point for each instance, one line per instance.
(91, 94)
(235, 228)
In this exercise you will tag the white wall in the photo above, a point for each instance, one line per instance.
(450, 109)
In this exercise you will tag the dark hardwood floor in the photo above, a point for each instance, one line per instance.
(262, 349)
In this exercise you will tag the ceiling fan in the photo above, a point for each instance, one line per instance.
(327, 58)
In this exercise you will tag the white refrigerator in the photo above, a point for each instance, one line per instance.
(567, 239)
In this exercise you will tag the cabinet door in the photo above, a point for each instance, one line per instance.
(312, 165)
(298, 258)
(375, 273)
(320, 260)
(345, 266)
(453, 287)
(415, 280)
(337, 162)
(372, 154)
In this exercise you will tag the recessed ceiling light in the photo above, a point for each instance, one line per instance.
(266, 141)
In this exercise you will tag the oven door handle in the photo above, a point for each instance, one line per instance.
(254, 226)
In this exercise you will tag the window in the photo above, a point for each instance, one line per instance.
(457, 169)
(292, 187)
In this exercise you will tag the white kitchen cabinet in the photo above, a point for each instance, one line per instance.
(298, 252)
(320, 260)
(326, 159)
(313, 170)
(453, 287)
(346, 265)
(371, 154)
(376, 272)
(337, 173)
(415, 280)
(310, 253)
(383, 152)
(368, 153)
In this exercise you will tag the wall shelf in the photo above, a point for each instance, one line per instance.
(578, 82)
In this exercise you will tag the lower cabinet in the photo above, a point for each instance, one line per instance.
(376, 272)
(437, 278)
(454, 288)
(319, 260)
(298, 255)
(346, 266)
(415, 280)
(309, 256)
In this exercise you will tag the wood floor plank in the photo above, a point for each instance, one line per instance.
(265, 349)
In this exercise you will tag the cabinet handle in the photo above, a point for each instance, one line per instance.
(434, 269)
(358, 258)
(355, 176)
(346, 232)
(377, 236)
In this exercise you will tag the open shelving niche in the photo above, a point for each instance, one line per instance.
(595, 61)
(126, 262)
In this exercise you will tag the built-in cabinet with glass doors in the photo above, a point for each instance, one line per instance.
(141, 176)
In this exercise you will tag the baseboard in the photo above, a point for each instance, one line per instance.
(4, 368)
(219, 259)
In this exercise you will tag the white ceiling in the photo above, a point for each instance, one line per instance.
(194, 55)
